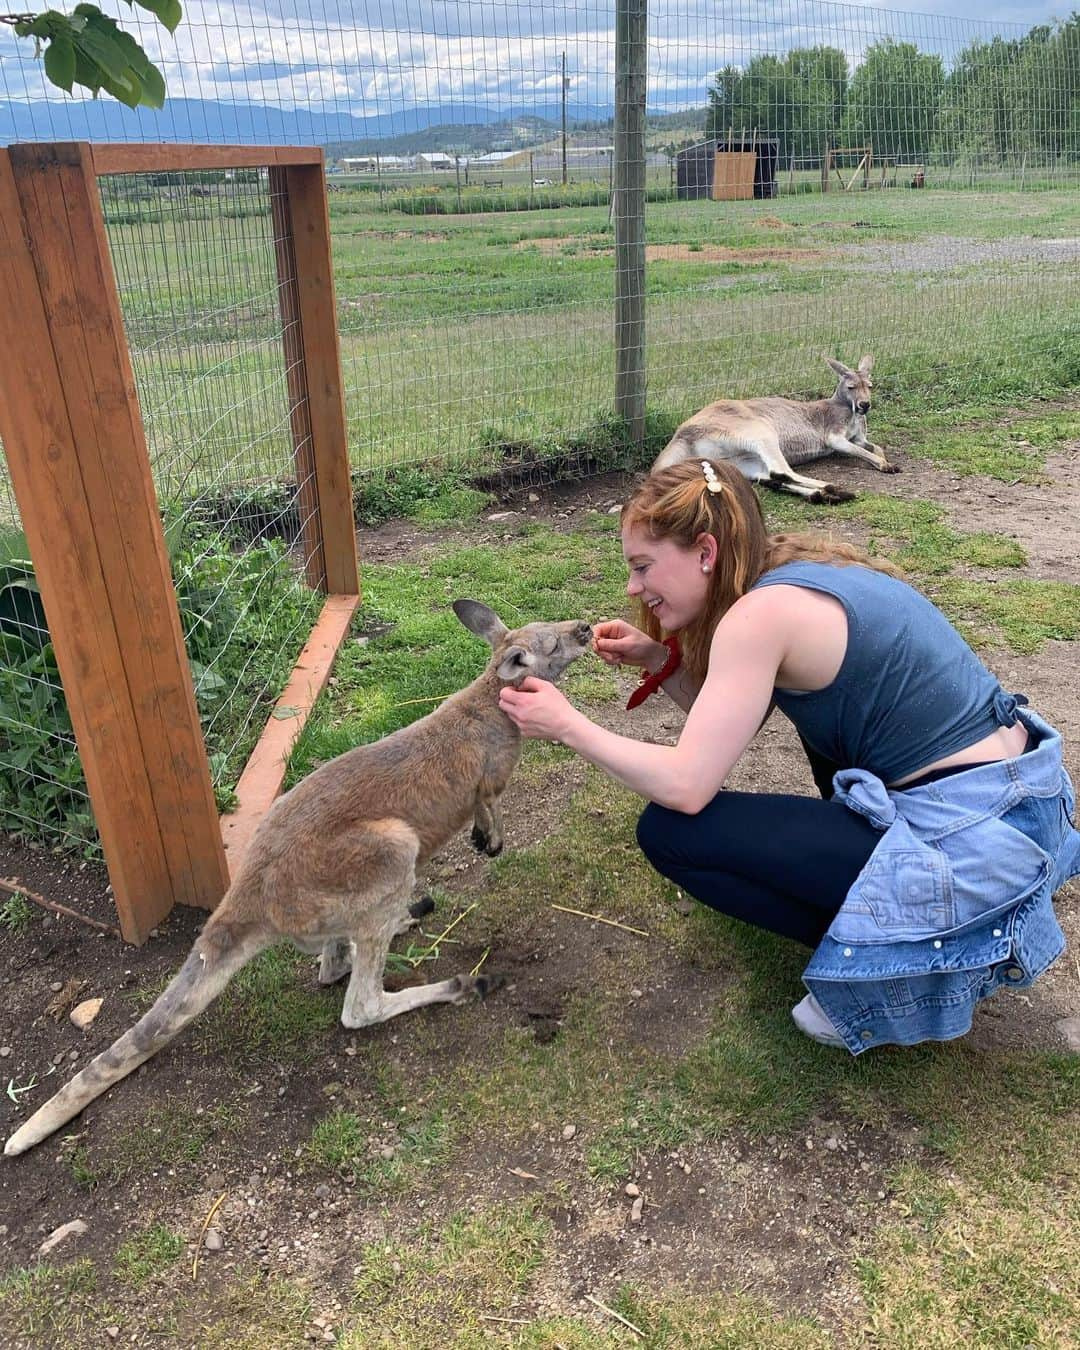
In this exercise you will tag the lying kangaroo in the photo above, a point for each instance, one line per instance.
(333, 865)
(764, 437)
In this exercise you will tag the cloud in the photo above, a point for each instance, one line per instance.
(367, 59)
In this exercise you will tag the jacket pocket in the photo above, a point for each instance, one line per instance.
(902, 894)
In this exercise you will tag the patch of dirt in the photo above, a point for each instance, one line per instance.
(684, 253)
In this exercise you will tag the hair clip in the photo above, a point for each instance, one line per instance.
(711, 481)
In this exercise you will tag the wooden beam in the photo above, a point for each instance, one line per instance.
(264, 772)
(136, 158)
(73, 432)
(310, 221)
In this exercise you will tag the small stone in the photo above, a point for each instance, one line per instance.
(215, 1181)
(685, 1167)
(323, 1192)
(212, 1240)
(387, 1152)
(635, 993)
(112, 1332)
(633, 1190)
(1068, 1026)
(832, 1143)
(636, 1208)
(84, 1013)
(5, 1050)
(502, 515)
(56, 986)
(568, 1132)
(534, 497)
(62, 1234)
(614, 510)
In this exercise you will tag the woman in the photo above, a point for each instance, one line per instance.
(923, 878)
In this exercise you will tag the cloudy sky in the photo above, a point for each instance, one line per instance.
(337, 56)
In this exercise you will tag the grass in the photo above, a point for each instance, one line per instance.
(343, 1142)
(148, 1255)
(1014, 453)
(15, 915)
(172, 1136)
(1020, 614)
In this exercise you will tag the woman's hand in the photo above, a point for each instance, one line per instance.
(538, 709)
(620, 644)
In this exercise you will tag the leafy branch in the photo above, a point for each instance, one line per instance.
(88, 48)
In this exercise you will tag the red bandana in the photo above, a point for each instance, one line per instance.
(651, 683)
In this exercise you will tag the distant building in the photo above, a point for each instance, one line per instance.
(434, 159)
(373, 163)
(500, 159)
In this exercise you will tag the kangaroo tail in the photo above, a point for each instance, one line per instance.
(220, 950)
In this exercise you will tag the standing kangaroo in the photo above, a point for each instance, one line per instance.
(333, 864)
(764, 437)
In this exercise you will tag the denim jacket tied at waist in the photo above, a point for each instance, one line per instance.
(955, 900)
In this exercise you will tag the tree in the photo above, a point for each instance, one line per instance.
(88, 48)
(799, 99)
(894, 101)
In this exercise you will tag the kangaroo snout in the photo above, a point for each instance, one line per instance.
(863, 406)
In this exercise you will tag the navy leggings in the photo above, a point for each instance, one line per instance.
(776, 860)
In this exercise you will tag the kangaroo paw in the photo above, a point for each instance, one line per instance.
(477, 986)
(831, 495)
(419, 908)
(484, 843)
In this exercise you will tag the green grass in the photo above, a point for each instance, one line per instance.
(167, 1136)
(342, 1141)
(148, 1255)
(15, 915)
(1020, 614)
(1014, 453)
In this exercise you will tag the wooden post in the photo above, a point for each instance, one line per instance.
(629, 211)
(826, 168)
(72, 429)
(325, 462)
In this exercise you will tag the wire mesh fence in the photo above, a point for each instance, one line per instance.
(211, 333)
(809, 178)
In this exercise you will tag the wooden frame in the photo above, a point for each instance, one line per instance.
(72, 429)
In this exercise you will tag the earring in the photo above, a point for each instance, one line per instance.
(706, 567)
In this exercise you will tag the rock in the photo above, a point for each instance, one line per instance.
(84, 1013)
(387, 1152)
(212, 1240)
(56, 986)
(66, 1230)
(5, 1050)
(322, 1192)
(632, 1190)
(832, 1143)
(684, 907)
(1068, 1026)
(215, 1181)
(636, 1208)
(534, 496)
(614, 510)
(568, 1132)
(501, 515)
(635, 993)
(112, 1332)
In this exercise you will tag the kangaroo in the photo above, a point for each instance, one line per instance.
(332, 866)
(764, 437)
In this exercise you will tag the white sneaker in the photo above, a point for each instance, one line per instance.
(810, 1018)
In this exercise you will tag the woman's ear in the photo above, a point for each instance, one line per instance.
(708, 549)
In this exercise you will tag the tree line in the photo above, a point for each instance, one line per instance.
(1002, 98)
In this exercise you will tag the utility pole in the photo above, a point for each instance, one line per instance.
(565, 86)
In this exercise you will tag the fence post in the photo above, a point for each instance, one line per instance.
(72, 429)
(631, 60)
(313, 371)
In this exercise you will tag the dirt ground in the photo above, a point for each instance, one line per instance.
(776, 1217)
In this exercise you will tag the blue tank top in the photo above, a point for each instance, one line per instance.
(909, 690)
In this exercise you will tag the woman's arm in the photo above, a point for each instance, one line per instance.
(746, 652)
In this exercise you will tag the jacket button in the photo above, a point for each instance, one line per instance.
(866, 1035)
(1015, 973)
(997, 932)
(847, 951)
(937, 944)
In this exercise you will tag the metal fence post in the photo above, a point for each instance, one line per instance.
(629, 211)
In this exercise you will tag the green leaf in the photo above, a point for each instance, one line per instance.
(167, 12)
(60, 63)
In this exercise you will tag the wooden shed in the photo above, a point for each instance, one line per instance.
(731, 168)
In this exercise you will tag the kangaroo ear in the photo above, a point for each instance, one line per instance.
(838, 366)
(478, 619)
(866, 365)
(515, 663)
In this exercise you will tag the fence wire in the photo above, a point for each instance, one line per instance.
(211, 331)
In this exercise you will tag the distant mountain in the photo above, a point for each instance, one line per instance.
(202, 120)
